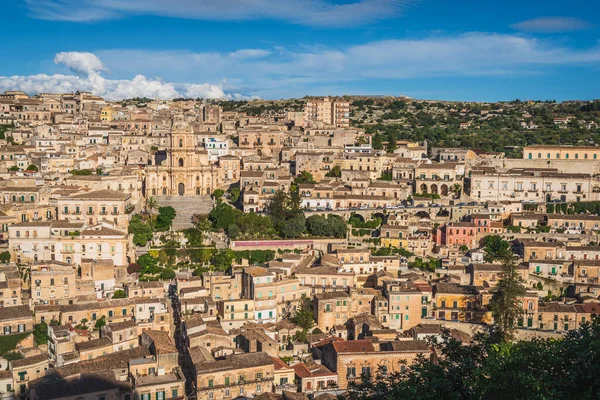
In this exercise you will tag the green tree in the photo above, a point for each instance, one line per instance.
(119, 294)
(223, 259)
(142, 232)
(162, 257)
(304, 177)
(5, 257)
(165, 218)
(150, 205)
(391, 143)
(100, 322)
(456, 189)
(223, 215)
(81, 172)
(255, 226)
(335, 172)
(13, 356)
(303, 317)
(489, 369)
(82, 324)
(201, 222)
(14, 168)
(286, 215)
(167, 274)
(218, 193)
(32, 167)
(40, 333)
(464, 248)
(385, 176)
(496, 248)
(233, 231)
(507, 299)
(148, 264)
(234, 194)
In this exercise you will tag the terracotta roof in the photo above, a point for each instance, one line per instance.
(353, 346)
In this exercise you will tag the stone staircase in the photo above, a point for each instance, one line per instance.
(185, 207)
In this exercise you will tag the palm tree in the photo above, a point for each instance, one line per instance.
(456, 189)
(151, 205)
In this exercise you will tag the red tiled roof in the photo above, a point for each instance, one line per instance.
(353, 346)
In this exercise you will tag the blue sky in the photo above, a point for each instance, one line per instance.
(429, 49)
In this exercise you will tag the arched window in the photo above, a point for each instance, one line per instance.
(164, 191)
(181, 162)
(539, 155)
(197, 191)
(585, 156)
(576, 156)
(557, 155)
(180, 142)
(530, 305)
(530, 156)
(567, 155)
(548, 155)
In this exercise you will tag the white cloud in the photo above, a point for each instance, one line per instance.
(553, 24)
(88, 67)
(80, 63)
(278, 72)
(288, 72)
(249, 53)
(205, 91)
(310, 12)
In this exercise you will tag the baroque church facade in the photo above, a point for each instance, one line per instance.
(186, 169)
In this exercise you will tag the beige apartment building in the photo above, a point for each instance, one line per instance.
(403, 306)
(533, 185)
(54, 281)
(66, 242)
(550, 152)
(235, 313)
(245, 375)
(26, 370)
(438, 178)
(124, 181)
(16, 319)
(95, 206)
(354, 358)
(10, 286)
(331, 112)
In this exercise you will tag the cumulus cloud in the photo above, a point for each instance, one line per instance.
(279, 72)
(295, 72)
(309, 12)
(88, 67)
(80, 62)
(552, 24)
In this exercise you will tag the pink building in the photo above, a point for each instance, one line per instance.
(456, 234)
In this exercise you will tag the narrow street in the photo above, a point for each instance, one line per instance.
(184, 361)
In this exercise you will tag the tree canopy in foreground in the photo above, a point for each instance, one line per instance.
(489, 368)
